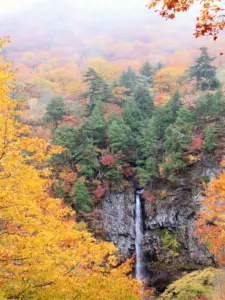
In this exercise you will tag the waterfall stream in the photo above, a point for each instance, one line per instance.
(138, 239)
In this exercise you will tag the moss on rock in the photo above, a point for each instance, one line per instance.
(195, 285)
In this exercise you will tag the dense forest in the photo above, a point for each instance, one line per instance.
(111, 164)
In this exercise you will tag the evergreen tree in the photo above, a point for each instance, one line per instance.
(96, 86)
(174, 105)
(107, 92)
(146, 75)
(80, 198)
(119, 135)
(54, 111)
(203, 72)
(159, 66)
(95, 127)
(146, 172)
(65, 136)
(147, 140)
(210, 106)
(144, 101)
(132, 116)
(178, 136)
(129, 79)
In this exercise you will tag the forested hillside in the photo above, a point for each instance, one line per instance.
(112, 152)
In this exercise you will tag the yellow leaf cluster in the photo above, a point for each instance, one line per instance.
(43, 254)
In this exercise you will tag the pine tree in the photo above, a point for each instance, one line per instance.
(55, 111)
(65, 136)
(81, 197)
(132, 116)
(107, 92)
(119, 135)
(95, 127)
(146, 75)
(129, 79)
(95, 85)
(174, 105)
(144, 101)
(178, 136)
(203, 72)
(147, 140)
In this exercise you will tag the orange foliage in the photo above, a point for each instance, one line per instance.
(108, 160)
(110, 108)
(99, 192)
(71, 120)
(149, 195)
(210, 224)
(161, 99)
(210, 21)
(41, 132)
(120, 93)
(197, 143)
(68, 180)
(168, 79)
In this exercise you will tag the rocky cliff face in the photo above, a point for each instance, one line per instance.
(119, 219)
(169, 245)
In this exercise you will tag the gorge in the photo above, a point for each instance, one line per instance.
(169, 247)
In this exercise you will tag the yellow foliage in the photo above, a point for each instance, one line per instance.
(43, 255)
(106, 69)
(195, 286)
(167, 79)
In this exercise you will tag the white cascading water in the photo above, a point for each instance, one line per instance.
(138, 239)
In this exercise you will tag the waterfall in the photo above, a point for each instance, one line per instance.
(138, 239)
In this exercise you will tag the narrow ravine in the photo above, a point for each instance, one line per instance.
(138, 239)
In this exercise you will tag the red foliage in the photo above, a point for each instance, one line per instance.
(68, 180)
(71, 120)
(161, 99)
(127, 169)
(110, 108)
(99, 192)
(108, 160)
(149, 195)
(197, 143)
(40, 132)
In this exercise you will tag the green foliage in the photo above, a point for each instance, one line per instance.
(209, 107)
(170, 243)
(147, 140)
(95, 127)
(144, 101)
(86, 155)
(119, 135)
(203, 72)
(194, 285)
(113, 174)
(146, 75)
(54, 111)
(146, 172)
(132, 116)
(80, 197)
(59, 190)
(95, 85)
(173, 106)
(164, 116)
(173, 166)
(211, 137)
(128, 79)
(65, 136)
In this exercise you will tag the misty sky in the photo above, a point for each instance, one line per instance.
(13, 5)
